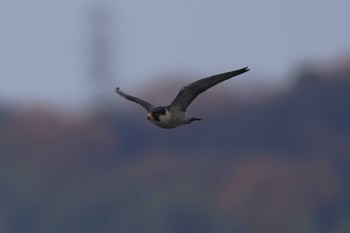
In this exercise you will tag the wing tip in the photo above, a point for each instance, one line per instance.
(119, 92)
(245, 69)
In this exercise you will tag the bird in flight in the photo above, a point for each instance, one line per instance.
(175, 114)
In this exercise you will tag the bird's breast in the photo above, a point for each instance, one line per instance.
(172, 118)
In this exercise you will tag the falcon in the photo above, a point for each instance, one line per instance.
(174, 114)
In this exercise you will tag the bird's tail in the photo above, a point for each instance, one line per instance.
(195, 119)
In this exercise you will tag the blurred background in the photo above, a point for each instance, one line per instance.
(271, 155)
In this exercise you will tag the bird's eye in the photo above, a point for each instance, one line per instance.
(155, 116)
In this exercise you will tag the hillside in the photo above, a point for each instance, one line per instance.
(278, 165)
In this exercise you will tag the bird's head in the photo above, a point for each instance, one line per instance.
(155, 113)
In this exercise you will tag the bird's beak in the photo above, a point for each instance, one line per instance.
(148, 116)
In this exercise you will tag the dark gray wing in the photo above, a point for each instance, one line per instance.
(141, 102)
(188, 93)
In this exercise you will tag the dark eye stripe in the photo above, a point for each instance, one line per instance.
(158, 112)
(156, 117)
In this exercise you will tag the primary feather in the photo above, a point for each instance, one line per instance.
(139, 101)
(188, 93)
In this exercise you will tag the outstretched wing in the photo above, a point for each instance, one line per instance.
(141, 102)
(188, 93)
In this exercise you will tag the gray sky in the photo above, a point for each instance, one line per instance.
(44, 44)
